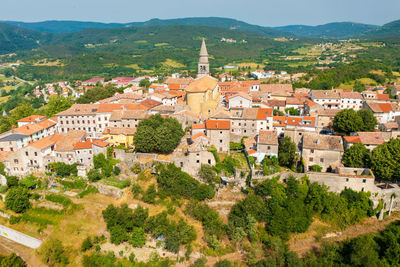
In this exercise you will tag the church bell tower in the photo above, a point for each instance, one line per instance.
(204, 66)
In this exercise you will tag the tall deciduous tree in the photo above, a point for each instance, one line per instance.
(369, 121)
(347, 121)
(57, 104)
(287, 152)
(356, 156)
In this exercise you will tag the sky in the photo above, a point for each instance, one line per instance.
(260, 12)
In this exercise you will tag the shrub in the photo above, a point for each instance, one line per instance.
(150, 194)
(89, 190)
(94, 175)
(52, 252)
(174, 182)
(62, 169)
(136, 190)
(117, 170)
(12, 181)
(315, 168)
(30, 182)
(17, 199)
(138, 238)
(136, 169)
(76, 184)
(3, 189)
(65, 201)
(86, 244)
(15, 219)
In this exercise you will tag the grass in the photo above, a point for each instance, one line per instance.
(76, 184)
(161, 44)
(133, 66)
(89, 190)
(59, 199)
(173, 64)
(121, 184)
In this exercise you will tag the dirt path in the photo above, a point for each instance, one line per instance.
(369, 225)
(27, 254)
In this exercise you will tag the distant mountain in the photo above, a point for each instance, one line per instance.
(391, 29)
(75, 26)
(226, 23)
(60, 26)
(330, 30)
(14, 38)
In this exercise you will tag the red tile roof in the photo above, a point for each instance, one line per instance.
(352, 139)
(198, 126)
(32, 118)
(218, 124)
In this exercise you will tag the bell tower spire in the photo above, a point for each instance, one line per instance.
(204, 66)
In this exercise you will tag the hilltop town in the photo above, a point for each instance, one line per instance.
(233, 143)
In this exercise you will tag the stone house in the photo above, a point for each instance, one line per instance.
(219, 133)
(267, 143)
(195, 155)
(369, 139)
(323, 150)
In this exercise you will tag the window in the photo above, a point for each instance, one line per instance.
(312, 150)
(220, 132)
(347, 179)
(364, 181)
(268, 147)
(209, 161)
(220, 141)
(35, 154)
(321, 160)
(197, 161)
(311, 159)
(26, 153)
(16, 161)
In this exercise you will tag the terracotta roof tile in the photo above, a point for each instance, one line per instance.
(218, 124)
(198, 126)
(268, 138)
(32, 118)
(201, 85)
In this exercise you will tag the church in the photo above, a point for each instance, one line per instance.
(202, 95)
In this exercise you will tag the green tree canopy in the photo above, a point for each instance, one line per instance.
(356, 156)
(156, 134)
(287, 152)
(57, 104)
(347, 121)
(17, 199)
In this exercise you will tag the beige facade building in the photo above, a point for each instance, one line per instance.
(323, 150)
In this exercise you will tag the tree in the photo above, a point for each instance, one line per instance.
(12, 181)
(52, 252)
(150, 194)
(12, 260)
(5, 124)
(385, 160)
(208, 174)
(358, 86)
(22, 111)
(57, 104)
(145, 83)
(347, 121)
(369, 121)
(138, 238)
(62, 169)
(94, 175)
(86, 244)
(17, 199)
(356, 156)
(287, 152)
(156, 134)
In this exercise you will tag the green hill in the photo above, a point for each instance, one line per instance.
(14, 38)
(60, 26)
(75, 26)
(330, 30)
(391, 29)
